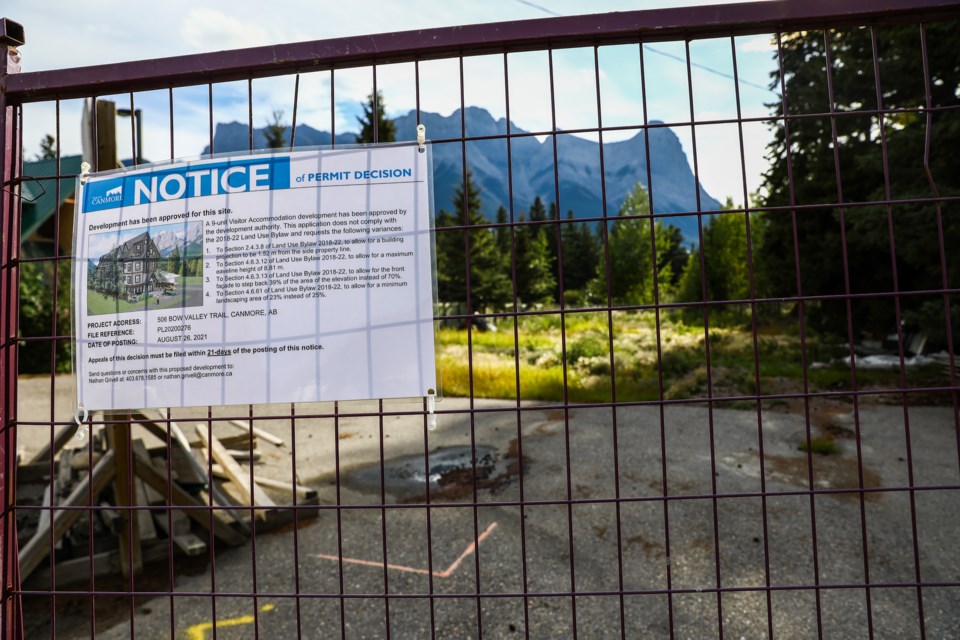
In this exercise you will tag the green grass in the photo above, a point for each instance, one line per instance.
(682, 361)
(499, 380)
(98, 304)
(492, 341)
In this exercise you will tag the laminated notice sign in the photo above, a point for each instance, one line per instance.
(284, 277)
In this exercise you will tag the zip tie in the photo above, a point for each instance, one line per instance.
(84, 172)
(431, 408)
(80, 416)
(421, 136)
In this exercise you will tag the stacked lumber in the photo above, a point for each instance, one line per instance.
(143, 495)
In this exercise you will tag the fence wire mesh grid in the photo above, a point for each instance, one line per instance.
(664, 416)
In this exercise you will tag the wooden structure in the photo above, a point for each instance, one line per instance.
(131, 481)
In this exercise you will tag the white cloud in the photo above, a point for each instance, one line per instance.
(209, 30)
(718, 157)
(756, 44)
(105, 31)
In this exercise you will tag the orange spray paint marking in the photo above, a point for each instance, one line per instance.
(436, 574)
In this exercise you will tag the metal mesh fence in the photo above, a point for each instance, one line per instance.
(663, 415)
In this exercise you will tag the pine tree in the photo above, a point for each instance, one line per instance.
(725, 261)
(375, 129)
(174, 263)
(536, 282)
(538, 212)
(810, 174)
(503, 234)
(276, 131)
(581, 254)
(48, 148)
(673, 254)
(489, 285)
(631, 255)
(535, 270)
(451, 281)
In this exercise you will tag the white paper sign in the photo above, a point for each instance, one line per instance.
(288, 277)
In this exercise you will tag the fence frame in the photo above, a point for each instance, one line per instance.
(18, 89)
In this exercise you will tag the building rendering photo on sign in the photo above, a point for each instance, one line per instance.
(284, 277)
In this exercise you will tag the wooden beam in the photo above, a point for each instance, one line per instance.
(188, 469)
(243, 455)
(36, 549)
(247, 425)
(144, 516)
(254, 495)
(60, 438)
(105, 563)
(144, 468)
(236, 441)
(188, 543)
(263, 481)
(49, 491)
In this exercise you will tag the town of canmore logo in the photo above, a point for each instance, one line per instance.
(109, 192)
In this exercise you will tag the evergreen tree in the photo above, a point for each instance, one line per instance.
(581, 254)
(810, 175)
(489, 286)
(451, 281)
(674, 255)
(725, 260)
(631, 255)
(503, 234)
(276, 131)
(536, 279)
(174, 263)
(48, 148)
(538, 211)
(536, 282)
(375, 128)
(553, 249)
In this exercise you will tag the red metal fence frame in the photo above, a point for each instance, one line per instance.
(638, 27)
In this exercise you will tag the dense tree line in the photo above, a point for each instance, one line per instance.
(182, 266)
(622, 264)
(857, 157)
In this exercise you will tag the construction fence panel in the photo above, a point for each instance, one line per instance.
(662, 415)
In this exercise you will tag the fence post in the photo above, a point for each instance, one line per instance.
(11, 36)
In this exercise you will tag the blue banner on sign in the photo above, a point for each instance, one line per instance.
(191, 181)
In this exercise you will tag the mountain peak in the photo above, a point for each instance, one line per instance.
(534, 165)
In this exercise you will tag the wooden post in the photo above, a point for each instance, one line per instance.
(106, 135)
(131, 556)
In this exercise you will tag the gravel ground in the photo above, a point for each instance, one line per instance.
(669, 556)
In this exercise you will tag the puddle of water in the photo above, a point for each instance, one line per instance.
(450, 469)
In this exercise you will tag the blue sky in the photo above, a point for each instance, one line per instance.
(64, 34)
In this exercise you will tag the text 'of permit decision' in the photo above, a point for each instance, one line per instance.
(286, 277)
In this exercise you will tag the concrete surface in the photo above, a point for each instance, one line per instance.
(617, 534)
